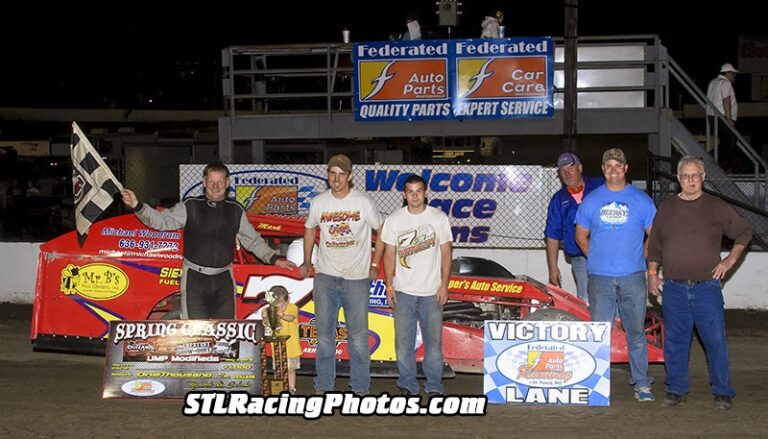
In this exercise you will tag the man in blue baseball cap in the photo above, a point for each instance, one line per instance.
(561, 217)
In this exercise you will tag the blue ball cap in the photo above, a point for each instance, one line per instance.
(567, 159)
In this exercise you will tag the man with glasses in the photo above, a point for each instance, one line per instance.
(611, 225)
(685, 244)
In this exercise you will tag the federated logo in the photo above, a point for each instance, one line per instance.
(270, 200)
(502, 77)
(143, 387)
(546, 364)
(94, 281)
(397, 80)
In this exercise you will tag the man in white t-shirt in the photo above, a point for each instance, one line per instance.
(417, 265)
(720, 92)
(345, 217)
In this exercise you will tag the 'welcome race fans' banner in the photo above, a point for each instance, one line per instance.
(555, 363)
(488, 206)
(454, 79)
(168, 358)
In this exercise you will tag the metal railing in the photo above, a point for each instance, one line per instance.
(287, 78)
(759, 176)
(318, 77)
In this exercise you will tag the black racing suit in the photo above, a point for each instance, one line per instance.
(210, 229)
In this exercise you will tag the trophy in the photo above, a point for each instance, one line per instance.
(278, 382)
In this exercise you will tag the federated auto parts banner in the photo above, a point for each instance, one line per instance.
(547, 362)
(488, 206)
(168, 358)
(454, 79)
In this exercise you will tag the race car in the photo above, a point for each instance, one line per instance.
(127, 271)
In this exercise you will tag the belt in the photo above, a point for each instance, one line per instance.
(689, 282)
(208, 271)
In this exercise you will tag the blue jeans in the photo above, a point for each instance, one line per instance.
(631, 292)
(424, 310)
(699, 305)
(579, 267)
(330, 293)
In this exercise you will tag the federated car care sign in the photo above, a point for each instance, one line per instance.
(454, 79)
(168, 358)
(555, 363)
(488, 206)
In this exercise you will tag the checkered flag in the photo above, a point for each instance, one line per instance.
(94, 184)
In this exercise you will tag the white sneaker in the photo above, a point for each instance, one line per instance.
(644, 394)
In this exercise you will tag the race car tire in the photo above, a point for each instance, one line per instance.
(551, 314)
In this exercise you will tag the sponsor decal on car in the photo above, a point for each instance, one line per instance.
(169, 276)
(94, 281)
(482, 286)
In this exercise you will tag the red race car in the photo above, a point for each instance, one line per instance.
(126, 271)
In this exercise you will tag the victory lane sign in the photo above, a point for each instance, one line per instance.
(555, 363)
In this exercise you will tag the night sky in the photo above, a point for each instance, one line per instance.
(97, 57)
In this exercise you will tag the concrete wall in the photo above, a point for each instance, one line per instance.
(747, 288)
(17, 271)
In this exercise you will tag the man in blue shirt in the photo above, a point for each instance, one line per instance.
(611, 225)
(561, 222)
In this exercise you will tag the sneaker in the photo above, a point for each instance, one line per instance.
(292, 390)
(723, 402)
(320, 392)
(644, 394)
(406, 392)
(434, 393)
(361, 393)
(673, 399)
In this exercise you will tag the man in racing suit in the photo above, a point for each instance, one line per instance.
(211, 223)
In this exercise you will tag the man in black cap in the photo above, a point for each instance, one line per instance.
(561, 217)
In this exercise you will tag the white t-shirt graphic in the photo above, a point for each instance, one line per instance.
(345, 233)
(417, 240)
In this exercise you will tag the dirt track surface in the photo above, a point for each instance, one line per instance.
(48, 395)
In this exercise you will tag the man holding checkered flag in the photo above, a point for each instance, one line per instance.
(94, 184)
